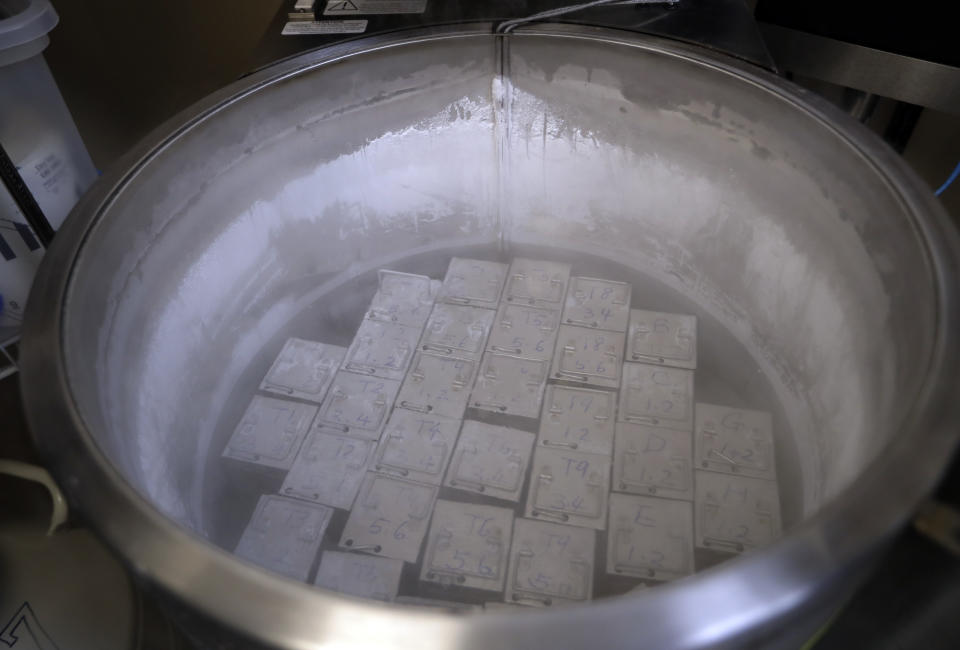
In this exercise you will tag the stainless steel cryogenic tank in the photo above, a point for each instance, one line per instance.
(820, 273)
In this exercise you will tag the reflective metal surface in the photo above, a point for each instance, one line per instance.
(783, 219)
(906, 78)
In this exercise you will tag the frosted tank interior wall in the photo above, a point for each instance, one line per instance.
(711, 185)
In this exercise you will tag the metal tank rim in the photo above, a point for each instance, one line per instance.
(727, 604)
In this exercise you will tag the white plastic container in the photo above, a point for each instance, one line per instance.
(39, 135)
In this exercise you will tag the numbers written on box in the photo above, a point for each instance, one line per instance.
(597, 304)
(402, 285)
(328, 469)
(270, 432)
(550, 563)
(537, 283)
(417, 446)
(438, 384)
(524, 331)
(381, 349)
(587, 356)
(569, 487)
(303, 369)
(663, 339)
(284, 535)
(357, 405)
(457, 330)
(510, 385)
(389, 517)
(657, 395)
(649, 537)
(736, 441)
(653, 460)
(403, 298)
(490, 460)
(473, 282)
(356, 574)
(578, 418)
(735, 513)
(468, 545)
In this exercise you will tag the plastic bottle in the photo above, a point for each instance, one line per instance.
(39, 135)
